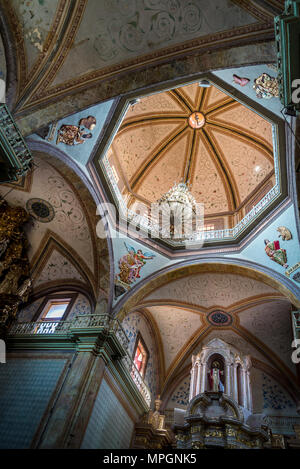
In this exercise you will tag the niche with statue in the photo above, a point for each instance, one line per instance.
(219, 413)
(220, 367)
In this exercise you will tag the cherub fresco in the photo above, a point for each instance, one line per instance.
(76, 134)
(276, 253)
(131, 263)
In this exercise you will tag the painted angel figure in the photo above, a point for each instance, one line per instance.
(276, 253)
(131, 264)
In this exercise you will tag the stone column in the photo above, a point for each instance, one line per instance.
(193, 372)
(198, 385)
(203, 378)
(249, 391)
(235, 382)
(228, 379)
(244, 388)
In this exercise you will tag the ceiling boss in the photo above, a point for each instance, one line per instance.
(197, 120)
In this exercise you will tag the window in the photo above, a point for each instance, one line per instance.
(140, 356)
(55, 310)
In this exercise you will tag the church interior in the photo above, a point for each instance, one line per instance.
(117, 330)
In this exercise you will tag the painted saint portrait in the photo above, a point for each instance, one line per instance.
(76, 134)
(276, 253)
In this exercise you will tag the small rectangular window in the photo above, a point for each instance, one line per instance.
(54, 310)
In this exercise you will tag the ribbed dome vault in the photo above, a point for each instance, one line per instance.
(197, 135)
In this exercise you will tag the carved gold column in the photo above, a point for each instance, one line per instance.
(14, 266)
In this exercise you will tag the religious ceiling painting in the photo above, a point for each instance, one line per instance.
(266, 87)
(248, 89)
(277, 246)
(130, 268)
(276, 253)
(77, 134)
(243, 81)
(221, 149)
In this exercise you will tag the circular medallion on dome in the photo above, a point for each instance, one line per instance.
(40, 209)
(219, 318)
(196, 120)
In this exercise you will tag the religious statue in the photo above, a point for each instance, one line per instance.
(156, 419)
(214, 376)
(276, 253)
(76, 134)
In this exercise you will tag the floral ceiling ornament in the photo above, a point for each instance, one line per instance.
(40, 209)
(266, 87)
(219, 318)
(197, 120)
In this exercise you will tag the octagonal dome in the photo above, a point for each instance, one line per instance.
(221, 148)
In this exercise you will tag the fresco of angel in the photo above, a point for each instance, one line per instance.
(131, 263)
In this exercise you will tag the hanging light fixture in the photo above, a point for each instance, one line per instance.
(177, 212)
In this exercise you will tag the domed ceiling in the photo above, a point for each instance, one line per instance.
(220, 147)
(199, 135)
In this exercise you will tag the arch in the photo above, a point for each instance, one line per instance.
(90, 198)
(279, 282)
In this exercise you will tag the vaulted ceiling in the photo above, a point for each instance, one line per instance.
(185, 314)
(201, 136)
(63, 247)
(76, 51)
